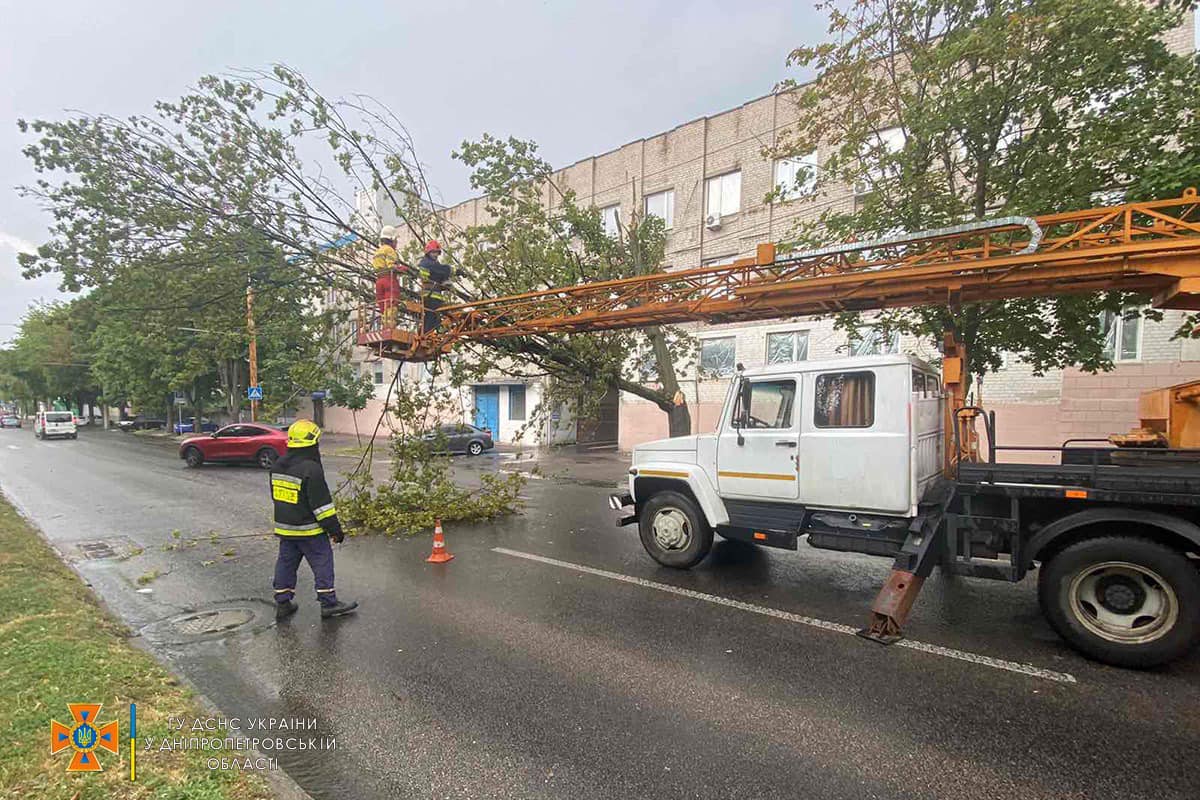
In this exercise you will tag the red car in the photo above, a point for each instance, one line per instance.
(241, 442)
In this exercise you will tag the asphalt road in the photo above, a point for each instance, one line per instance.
(553, 658)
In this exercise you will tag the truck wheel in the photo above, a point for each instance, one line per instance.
(1123, 600)
(674, 531)
(193, 457)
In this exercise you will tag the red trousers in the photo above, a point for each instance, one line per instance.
(387, 292)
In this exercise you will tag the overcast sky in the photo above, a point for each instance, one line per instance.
(579, 78)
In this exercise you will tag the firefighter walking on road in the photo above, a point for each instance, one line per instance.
(389, 271)
(435, 285)
(305, 522)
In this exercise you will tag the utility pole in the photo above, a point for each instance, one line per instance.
(253, 348)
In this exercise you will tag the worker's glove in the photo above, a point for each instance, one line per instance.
(338, 537)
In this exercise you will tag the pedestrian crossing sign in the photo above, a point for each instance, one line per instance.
(254, 392)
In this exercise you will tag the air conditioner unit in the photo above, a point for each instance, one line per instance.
(712, 222)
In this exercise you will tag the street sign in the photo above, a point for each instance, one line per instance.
(320, 395)
(254, 392)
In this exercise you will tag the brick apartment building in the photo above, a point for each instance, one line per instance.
(708, 179)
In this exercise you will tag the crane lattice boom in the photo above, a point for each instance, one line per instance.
(1151, 247)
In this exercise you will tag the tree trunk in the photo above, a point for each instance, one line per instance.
(679, 418)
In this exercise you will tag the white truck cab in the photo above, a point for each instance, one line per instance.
(816, 445)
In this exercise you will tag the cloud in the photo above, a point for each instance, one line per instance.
(16, 243)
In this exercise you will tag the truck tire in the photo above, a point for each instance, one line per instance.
(674, 531)
(1123, 600)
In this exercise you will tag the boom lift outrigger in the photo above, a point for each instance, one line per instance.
(1150, 248)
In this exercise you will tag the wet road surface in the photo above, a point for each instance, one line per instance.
(553, 658)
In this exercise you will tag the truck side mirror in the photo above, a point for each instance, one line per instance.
(739, 408)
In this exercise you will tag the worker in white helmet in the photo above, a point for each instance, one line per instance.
(388, 271)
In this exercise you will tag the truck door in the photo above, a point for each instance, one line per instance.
(760, 436)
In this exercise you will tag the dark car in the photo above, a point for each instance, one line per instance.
(189, 426)
(460, 438)
(240, 442)
(10, 421)
(141, 423)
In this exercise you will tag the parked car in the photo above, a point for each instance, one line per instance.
(141, 423)
(460, 438)
(10, 421)
(189, 426)
(240, 442)
(48, 424)
(81, 420)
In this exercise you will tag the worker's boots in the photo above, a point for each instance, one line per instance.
(285, 610)
(338, 609)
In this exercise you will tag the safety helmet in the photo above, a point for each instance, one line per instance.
(303, 433)
(433, 246)
(388, 232)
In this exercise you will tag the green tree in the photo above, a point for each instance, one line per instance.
(531, 244)
(944, 111)
(50, 358)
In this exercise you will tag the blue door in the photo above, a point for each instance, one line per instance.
(487, 408)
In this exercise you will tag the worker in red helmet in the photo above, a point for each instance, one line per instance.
(389, 270)
(435, 284)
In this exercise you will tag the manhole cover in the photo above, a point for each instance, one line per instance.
(221, 621)
(216, 621)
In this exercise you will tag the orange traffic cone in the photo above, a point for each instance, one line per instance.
(440, 554)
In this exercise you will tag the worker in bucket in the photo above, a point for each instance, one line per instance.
(389, 271)
(305, 523)
(435, 284)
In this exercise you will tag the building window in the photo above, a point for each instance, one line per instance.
(845, 400)
(787, 346)
(874, 342)
(717, 357)
(646, 365)
(724, 193)
(765, 404)
(516, 401)
(875, 154)
(796, 177)
(662, 205)
(377, 372)
(610, 219)
(1122, 334)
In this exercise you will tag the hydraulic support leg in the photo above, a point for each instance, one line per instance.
(921, 551)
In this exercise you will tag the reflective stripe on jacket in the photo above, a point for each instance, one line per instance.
(303, 503)
(435, 277)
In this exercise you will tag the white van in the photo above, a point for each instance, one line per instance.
(55, 423)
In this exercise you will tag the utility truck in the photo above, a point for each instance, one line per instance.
(880, 456)
(848, 454)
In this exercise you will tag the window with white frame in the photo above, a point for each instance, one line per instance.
(1122, 334)
(784, 347)
(796, 177)
(873, 342)
(377, 372)
(878, 147)
(718, 357)
(662, 205)
(610, 219)
(723, 194)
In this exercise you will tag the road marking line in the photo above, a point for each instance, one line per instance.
(800, 619)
